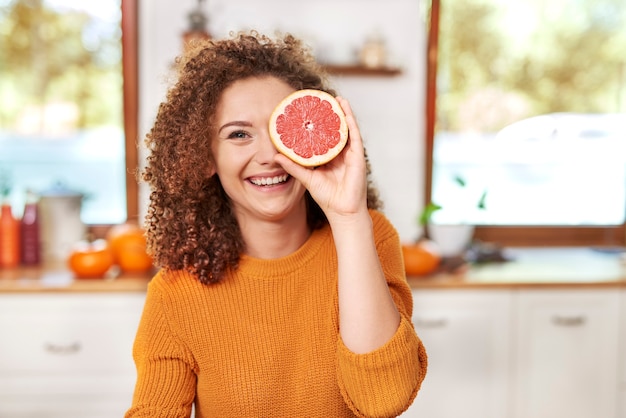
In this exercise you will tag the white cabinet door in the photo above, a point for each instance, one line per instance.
(622, 355)
(67, 354)
(467, 337)
(567, 353)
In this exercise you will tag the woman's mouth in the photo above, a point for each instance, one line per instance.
(269, 181)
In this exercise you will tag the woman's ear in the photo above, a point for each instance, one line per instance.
(210, 170)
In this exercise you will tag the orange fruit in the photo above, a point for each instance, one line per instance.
(133, 257)
(309, 127)
(90, 259)
(421, 258)
(121, 233)
(129, 247)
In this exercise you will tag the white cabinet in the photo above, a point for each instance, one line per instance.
(566, 362)
(522, 353)
(622, 356)
(467, 337)
(67, 354)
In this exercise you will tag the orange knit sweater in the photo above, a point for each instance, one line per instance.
(265, 342)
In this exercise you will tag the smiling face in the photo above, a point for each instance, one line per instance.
(243, 153)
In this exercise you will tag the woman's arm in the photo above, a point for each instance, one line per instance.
(368, 317)
(166, 381)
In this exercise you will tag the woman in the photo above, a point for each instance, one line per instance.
(282, 291)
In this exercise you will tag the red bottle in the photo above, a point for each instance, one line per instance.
(29, 232)
(9, 238)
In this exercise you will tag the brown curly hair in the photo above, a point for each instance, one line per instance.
(189, 223)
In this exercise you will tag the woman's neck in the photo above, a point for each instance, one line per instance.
(275, 239)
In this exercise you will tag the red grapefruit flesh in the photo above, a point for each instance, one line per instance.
(309, 127)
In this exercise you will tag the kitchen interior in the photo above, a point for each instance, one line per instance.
(519, 295)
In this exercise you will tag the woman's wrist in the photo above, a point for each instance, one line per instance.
(350, 221)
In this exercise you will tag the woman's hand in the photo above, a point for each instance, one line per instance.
(368, 316)
(340, 186)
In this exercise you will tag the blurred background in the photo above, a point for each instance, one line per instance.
(501, 115)
(507, 119)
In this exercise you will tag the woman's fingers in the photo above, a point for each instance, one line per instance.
(355, 142)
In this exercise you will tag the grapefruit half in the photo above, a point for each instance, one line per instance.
(309, 127)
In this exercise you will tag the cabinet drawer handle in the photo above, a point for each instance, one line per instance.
(62, 349)
(568, 321)
(431, 323)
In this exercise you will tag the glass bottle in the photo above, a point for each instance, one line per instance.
(30, 234)
(9, 237)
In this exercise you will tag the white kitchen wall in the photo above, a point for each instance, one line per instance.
(390, 110)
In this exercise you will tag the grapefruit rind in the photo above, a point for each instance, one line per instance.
(291, 144)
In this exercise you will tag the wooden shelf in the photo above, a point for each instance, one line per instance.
(361, 71)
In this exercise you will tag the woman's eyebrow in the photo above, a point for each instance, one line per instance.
(235, 123)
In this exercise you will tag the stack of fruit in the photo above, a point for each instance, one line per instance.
(124, 247)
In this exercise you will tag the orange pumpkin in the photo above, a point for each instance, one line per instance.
(90, 260)
(421, 258)
(128, 243)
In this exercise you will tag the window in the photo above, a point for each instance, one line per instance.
(526, 119)
(68, 94)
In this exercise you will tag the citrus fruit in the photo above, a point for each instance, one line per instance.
(309, 127)
(129, 247)
(121, 233)
(421, 258)
(90, 259)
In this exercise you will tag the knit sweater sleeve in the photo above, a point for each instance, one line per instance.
(384, 382)
(166, 377)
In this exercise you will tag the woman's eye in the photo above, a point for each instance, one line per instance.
(238, 135)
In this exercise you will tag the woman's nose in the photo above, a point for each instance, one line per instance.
(266, 150)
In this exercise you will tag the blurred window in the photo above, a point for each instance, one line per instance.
(528, 119)
(62, 118)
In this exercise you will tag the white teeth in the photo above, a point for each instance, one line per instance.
(268, 181)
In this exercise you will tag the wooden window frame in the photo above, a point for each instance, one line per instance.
(130, 73)
(130, 65)
(508, 235)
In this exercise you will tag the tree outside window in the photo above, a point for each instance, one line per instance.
(61, 95)
(530, 111)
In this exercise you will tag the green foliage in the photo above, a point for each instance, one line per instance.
(459, 180)
(541, 58)
(427, 213)
(482, 201)
(432, 207)
(59, 56)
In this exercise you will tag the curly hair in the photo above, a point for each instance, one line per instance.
(189, 222)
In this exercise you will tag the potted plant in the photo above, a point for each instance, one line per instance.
(451, 237)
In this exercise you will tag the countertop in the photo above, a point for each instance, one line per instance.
(55, 277)
(538, 267)
(528, 267)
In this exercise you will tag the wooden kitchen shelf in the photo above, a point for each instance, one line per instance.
(361, 71)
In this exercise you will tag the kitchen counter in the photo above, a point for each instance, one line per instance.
(55, 277)
(538, 267)
(529, 267)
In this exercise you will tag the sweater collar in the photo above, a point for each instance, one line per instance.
(278, 267)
